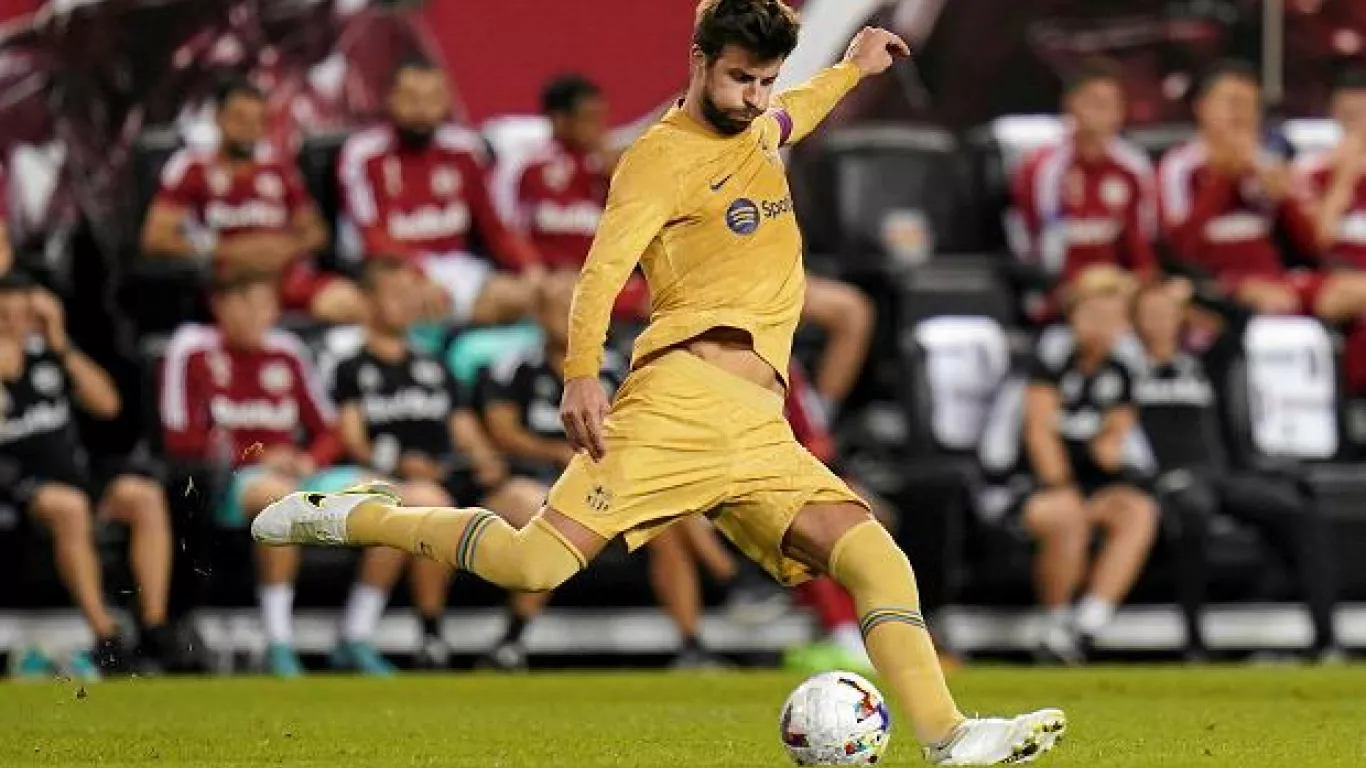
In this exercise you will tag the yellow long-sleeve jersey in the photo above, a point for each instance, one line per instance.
(710, 220)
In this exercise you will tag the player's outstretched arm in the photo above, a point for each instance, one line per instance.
(800, 109)
(642, 198)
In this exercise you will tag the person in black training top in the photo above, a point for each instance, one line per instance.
(1078, 415)
(1177, 409)
(404, 415)
(45, 473)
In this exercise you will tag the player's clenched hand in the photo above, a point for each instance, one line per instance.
(873, 49)
(582, 410)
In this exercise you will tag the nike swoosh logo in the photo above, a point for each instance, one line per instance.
(718, 184)
(316, 499)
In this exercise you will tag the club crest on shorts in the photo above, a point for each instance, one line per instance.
(599, 499)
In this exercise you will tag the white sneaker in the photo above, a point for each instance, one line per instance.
(996, 741)
(309, 517)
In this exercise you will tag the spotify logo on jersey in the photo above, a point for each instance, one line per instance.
(742, 216)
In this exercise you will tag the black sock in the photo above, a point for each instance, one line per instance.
(431, 626)
(691, 643)
(516, 628)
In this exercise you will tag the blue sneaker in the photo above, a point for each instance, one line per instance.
(82, 667)
(30, 664)
(363, 658)
(283, 661)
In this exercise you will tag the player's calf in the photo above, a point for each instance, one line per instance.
(536, 558)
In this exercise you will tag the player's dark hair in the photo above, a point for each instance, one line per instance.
(412, 64)
(1096, 70)
(378, 266)
(767, 29)
(239, 282)
(236, 87)
(1234, 69)
(1350, 79)
(563, 94)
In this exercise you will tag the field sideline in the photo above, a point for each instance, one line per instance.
(1130, 716)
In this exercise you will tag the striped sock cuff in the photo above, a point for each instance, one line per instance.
(469, 540)
(879, 616)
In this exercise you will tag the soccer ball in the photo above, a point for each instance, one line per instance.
(835, 718)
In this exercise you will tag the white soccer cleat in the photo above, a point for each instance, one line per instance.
(309, 517)
(997, 741)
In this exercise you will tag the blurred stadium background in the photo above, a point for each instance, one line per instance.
(904, 195)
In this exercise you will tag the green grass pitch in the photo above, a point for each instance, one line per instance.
(1152, 716)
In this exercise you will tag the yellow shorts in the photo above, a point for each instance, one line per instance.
(684, 437)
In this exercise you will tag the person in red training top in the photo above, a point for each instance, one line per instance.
(238, 394)
(1224, 198)
(245, 207)
(1334, 186)
(1090, 199)
(562, 189)
(415, 189)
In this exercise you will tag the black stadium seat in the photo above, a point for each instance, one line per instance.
(318, 163)
(878, 170)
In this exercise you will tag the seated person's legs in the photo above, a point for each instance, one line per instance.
(1293, 525)
(429, 580)
(847, 317)
(1056, 520)
(517, 501)
(1129, 518)
(140, 503)
(252, 491)
(65, 511)
(674, 578)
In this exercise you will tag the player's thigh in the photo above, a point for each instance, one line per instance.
(789, 513)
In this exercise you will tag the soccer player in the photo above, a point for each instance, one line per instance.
(1089, 200)
(403, 415)
(244, 395)
(702, 202)
(42, 376)
(415, 189)
(1077, 414)
(1224, 198)
(246, 209)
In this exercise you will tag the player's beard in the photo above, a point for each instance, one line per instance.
(240, 150)
(723, 121)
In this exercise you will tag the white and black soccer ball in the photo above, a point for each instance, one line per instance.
(836, 718)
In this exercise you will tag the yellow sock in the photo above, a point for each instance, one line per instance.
(535, 559)
(868, 563)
